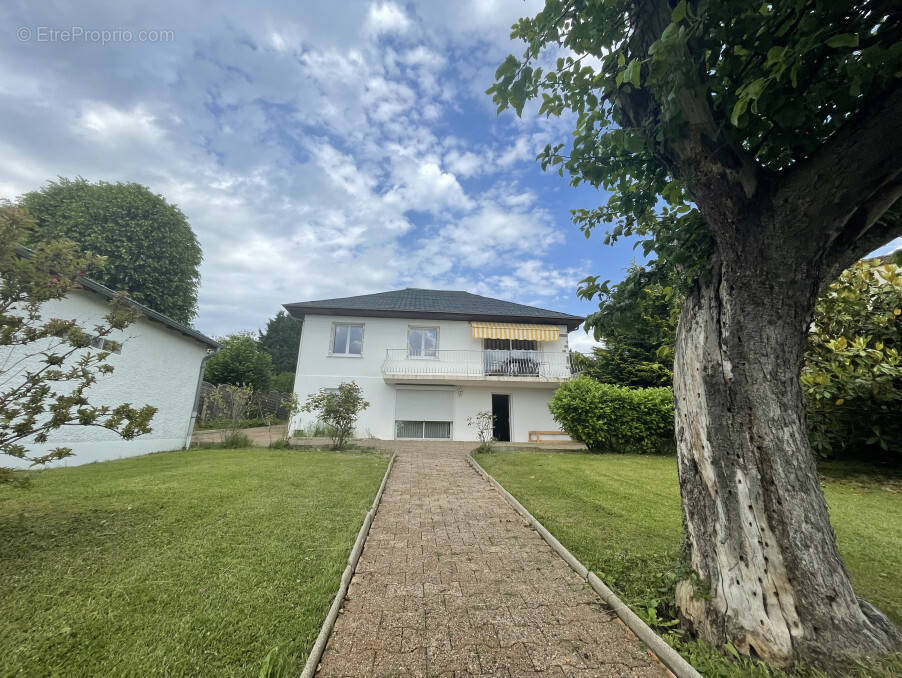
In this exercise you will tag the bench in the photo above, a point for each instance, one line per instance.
(536, 436)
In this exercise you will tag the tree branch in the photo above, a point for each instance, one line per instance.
(840, 191)
(843, 252)
(721, 176)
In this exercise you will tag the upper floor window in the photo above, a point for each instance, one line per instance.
(347, 339)
(422, 342)
(510, 345)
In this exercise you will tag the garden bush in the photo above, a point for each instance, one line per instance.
(609, 418)
(852, 379)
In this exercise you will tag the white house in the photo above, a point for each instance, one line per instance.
(157, 362)
(427, 360)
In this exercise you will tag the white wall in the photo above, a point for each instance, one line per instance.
(157, 366)
(317, 369)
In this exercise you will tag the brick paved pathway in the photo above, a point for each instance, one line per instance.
(453, 582)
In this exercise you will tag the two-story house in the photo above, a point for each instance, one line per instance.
(427, 360)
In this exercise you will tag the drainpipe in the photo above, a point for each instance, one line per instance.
(200, 380)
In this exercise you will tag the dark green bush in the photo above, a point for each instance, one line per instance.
(610, 418)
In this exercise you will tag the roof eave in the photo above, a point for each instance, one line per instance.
(299, 311)
(148, 312)
(107, 293)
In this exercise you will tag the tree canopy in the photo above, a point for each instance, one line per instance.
(636, 320)
(240, 362)
(151, 252)
(768, 83)
(281, 340)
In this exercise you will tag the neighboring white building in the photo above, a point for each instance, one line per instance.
(159, 362)
(427, 360)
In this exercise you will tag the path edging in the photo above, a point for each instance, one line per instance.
(316, 652)
(668, 656)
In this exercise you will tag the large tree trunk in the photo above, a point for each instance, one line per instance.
(770, 578)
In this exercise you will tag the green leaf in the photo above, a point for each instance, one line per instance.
(843, 40)
(738, 109)
(633, 73)
(679, 12)
(774, 54)
(507, 68)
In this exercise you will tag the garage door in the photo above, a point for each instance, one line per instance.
(423, 413)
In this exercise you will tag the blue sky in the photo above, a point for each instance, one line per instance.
(318, 149)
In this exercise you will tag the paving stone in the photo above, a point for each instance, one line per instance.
(452, 582)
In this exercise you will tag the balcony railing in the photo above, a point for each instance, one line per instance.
(474, 364)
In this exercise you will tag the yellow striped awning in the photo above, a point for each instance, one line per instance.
(514, 331)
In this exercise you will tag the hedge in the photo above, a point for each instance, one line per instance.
(609, 418)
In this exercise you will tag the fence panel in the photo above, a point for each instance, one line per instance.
(217, 402)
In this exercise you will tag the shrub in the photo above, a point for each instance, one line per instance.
(484, 423)
(283, 382)
(338, 410)
(852, 379)
(610, 418)
(234, 440)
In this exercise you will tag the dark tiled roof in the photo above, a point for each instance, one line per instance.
(438, 304)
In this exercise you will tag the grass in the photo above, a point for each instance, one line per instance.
(180, 563)
(620, 515)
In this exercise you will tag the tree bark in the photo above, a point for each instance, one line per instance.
(769, 577)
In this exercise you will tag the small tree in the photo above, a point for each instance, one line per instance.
(48, 363)
(484, 423)
(231, 402)
(338, 409)
(290, 405)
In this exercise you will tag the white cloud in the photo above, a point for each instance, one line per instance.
(314, 151)
(466, 163)
(387, 17)
(582, 342)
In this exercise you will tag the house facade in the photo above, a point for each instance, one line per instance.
(156, 361)
(428, 360)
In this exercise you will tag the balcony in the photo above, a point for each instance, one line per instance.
(455, 366)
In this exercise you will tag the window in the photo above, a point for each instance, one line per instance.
(511, 345)
(347, 339)
(422, 342)
(107, 345)
(430, 430)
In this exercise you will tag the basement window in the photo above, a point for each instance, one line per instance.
(423, 430)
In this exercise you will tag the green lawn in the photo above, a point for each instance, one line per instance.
(176, 564)
(620, 515)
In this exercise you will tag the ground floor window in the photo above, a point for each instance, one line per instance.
(423, 429)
